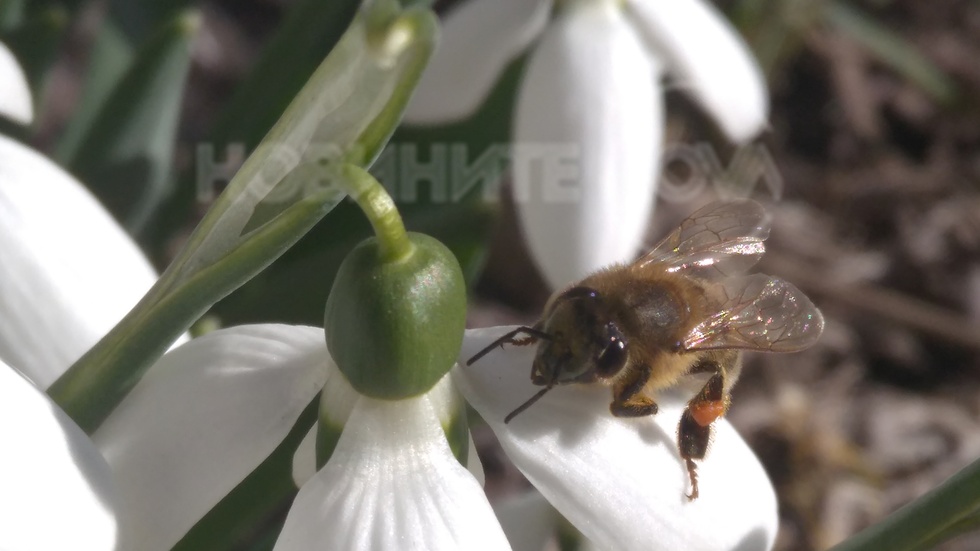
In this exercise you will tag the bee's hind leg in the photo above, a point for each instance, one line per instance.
(694, 430)
(628, 397)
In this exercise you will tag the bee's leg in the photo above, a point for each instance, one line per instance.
(694, 431)
(628, 399)
(533, 334)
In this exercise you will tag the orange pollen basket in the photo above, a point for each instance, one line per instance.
(705, 413)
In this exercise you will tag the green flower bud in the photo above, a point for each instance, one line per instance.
(395, 325)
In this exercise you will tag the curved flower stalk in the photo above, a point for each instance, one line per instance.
(588, 124)
(620, 482)
(393, 483)
(15, 94)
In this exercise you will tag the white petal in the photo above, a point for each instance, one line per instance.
(708, 59)
(55, 489)
(337, 403)
(15, 94)
(479, 38)
(69, 272)
(588, 126)
(202, 419)
(391, 483)
(304, 459)
(620, 481)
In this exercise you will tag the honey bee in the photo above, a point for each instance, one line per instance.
(685, 308)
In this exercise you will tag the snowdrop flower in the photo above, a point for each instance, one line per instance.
(69, 271)
(620, 481)
(197, 424)
(15, 94)
(57, 489)
(392, 481)
(588, 125)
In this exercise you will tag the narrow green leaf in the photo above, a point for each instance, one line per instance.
(110, 57)
(11, 14)
(127, 154)
(964, 526)
(944, 511)
(126, 26)
(892, 49)
(136, 20)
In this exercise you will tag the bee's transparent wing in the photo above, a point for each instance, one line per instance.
(758, 312)
(722, 239)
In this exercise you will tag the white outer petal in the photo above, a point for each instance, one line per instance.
(55, 489)
(392, 483)
(339, 399)
(620, 481)
(708, 59)
(479, 39)
(202, 419)
(68, 273)
(15, 94)
(588, 127)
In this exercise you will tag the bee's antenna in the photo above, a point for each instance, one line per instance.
(530, 401)
(508, 338)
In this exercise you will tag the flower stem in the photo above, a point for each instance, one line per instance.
(380, 210)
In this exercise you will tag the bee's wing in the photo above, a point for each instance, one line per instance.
(758, 312)
(722, 239)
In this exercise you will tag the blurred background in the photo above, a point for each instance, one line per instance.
(874, 146)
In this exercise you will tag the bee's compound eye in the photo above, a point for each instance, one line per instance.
(612, 359)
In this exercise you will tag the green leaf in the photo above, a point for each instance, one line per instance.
(124, 29)
(111, 55)
(945, 511)
(893, 50)
(11, 14)
(127, 154)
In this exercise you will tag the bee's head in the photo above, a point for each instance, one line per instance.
(585, 344)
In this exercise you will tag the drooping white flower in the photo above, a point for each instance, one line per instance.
(589, 117)
(621, 482)
(393, 483)
(56, 491)
(15, 93)
(69, 271)
(201, 420)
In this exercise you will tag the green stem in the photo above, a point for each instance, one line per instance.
(937, 515)
(380, 210)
